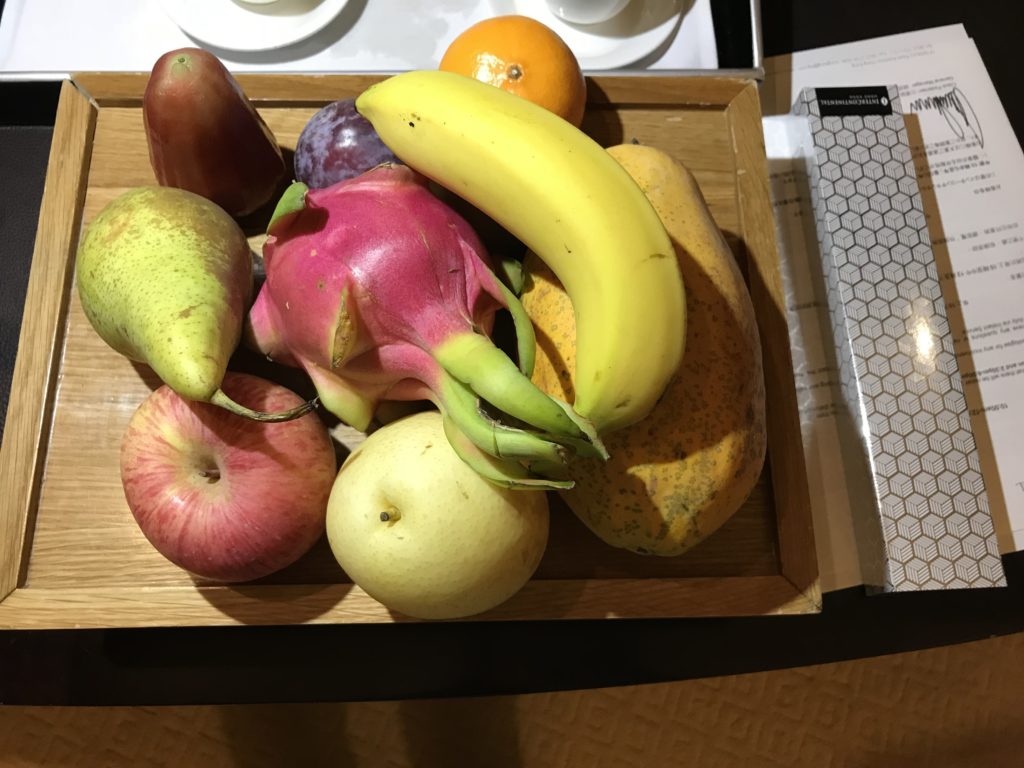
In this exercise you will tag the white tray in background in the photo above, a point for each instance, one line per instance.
(53, 37)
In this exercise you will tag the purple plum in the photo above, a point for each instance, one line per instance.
(337, 144)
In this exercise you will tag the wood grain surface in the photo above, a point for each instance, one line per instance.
(89, 564)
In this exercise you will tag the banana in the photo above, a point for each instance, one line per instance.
(568, 201)
(675, 478)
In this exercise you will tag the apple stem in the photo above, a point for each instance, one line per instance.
(389, 515)
(211, 474)
(225, 402)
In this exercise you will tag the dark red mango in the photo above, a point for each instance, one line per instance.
(205, 135)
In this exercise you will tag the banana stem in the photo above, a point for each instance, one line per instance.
(221, 399)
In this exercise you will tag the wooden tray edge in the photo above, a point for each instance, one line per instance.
(33, 384)
(797, 551)
(794, 591)
(283, 90)
(90, 608)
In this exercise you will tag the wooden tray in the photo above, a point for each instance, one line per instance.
(71, 555)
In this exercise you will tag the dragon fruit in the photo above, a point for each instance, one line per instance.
(380, 291)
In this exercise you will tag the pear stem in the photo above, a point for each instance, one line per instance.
(225, 402)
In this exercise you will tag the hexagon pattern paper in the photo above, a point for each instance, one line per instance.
(931, 528)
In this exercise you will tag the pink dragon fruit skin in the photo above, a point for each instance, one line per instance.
(379, 290)
(315, 294)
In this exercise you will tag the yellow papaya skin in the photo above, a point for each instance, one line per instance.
(677, 476)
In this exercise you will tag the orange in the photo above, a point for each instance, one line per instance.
(522, 56)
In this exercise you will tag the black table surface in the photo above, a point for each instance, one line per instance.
(365, 662)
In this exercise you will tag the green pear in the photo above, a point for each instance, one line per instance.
(165, 277)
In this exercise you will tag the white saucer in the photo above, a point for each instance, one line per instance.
(239, 26)
(635, 32)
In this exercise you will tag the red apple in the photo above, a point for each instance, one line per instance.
(224, 497)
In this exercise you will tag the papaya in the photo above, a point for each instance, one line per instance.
(675, 477)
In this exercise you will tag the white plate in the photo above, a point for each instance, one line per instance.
(239, 26)
(635, 32)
